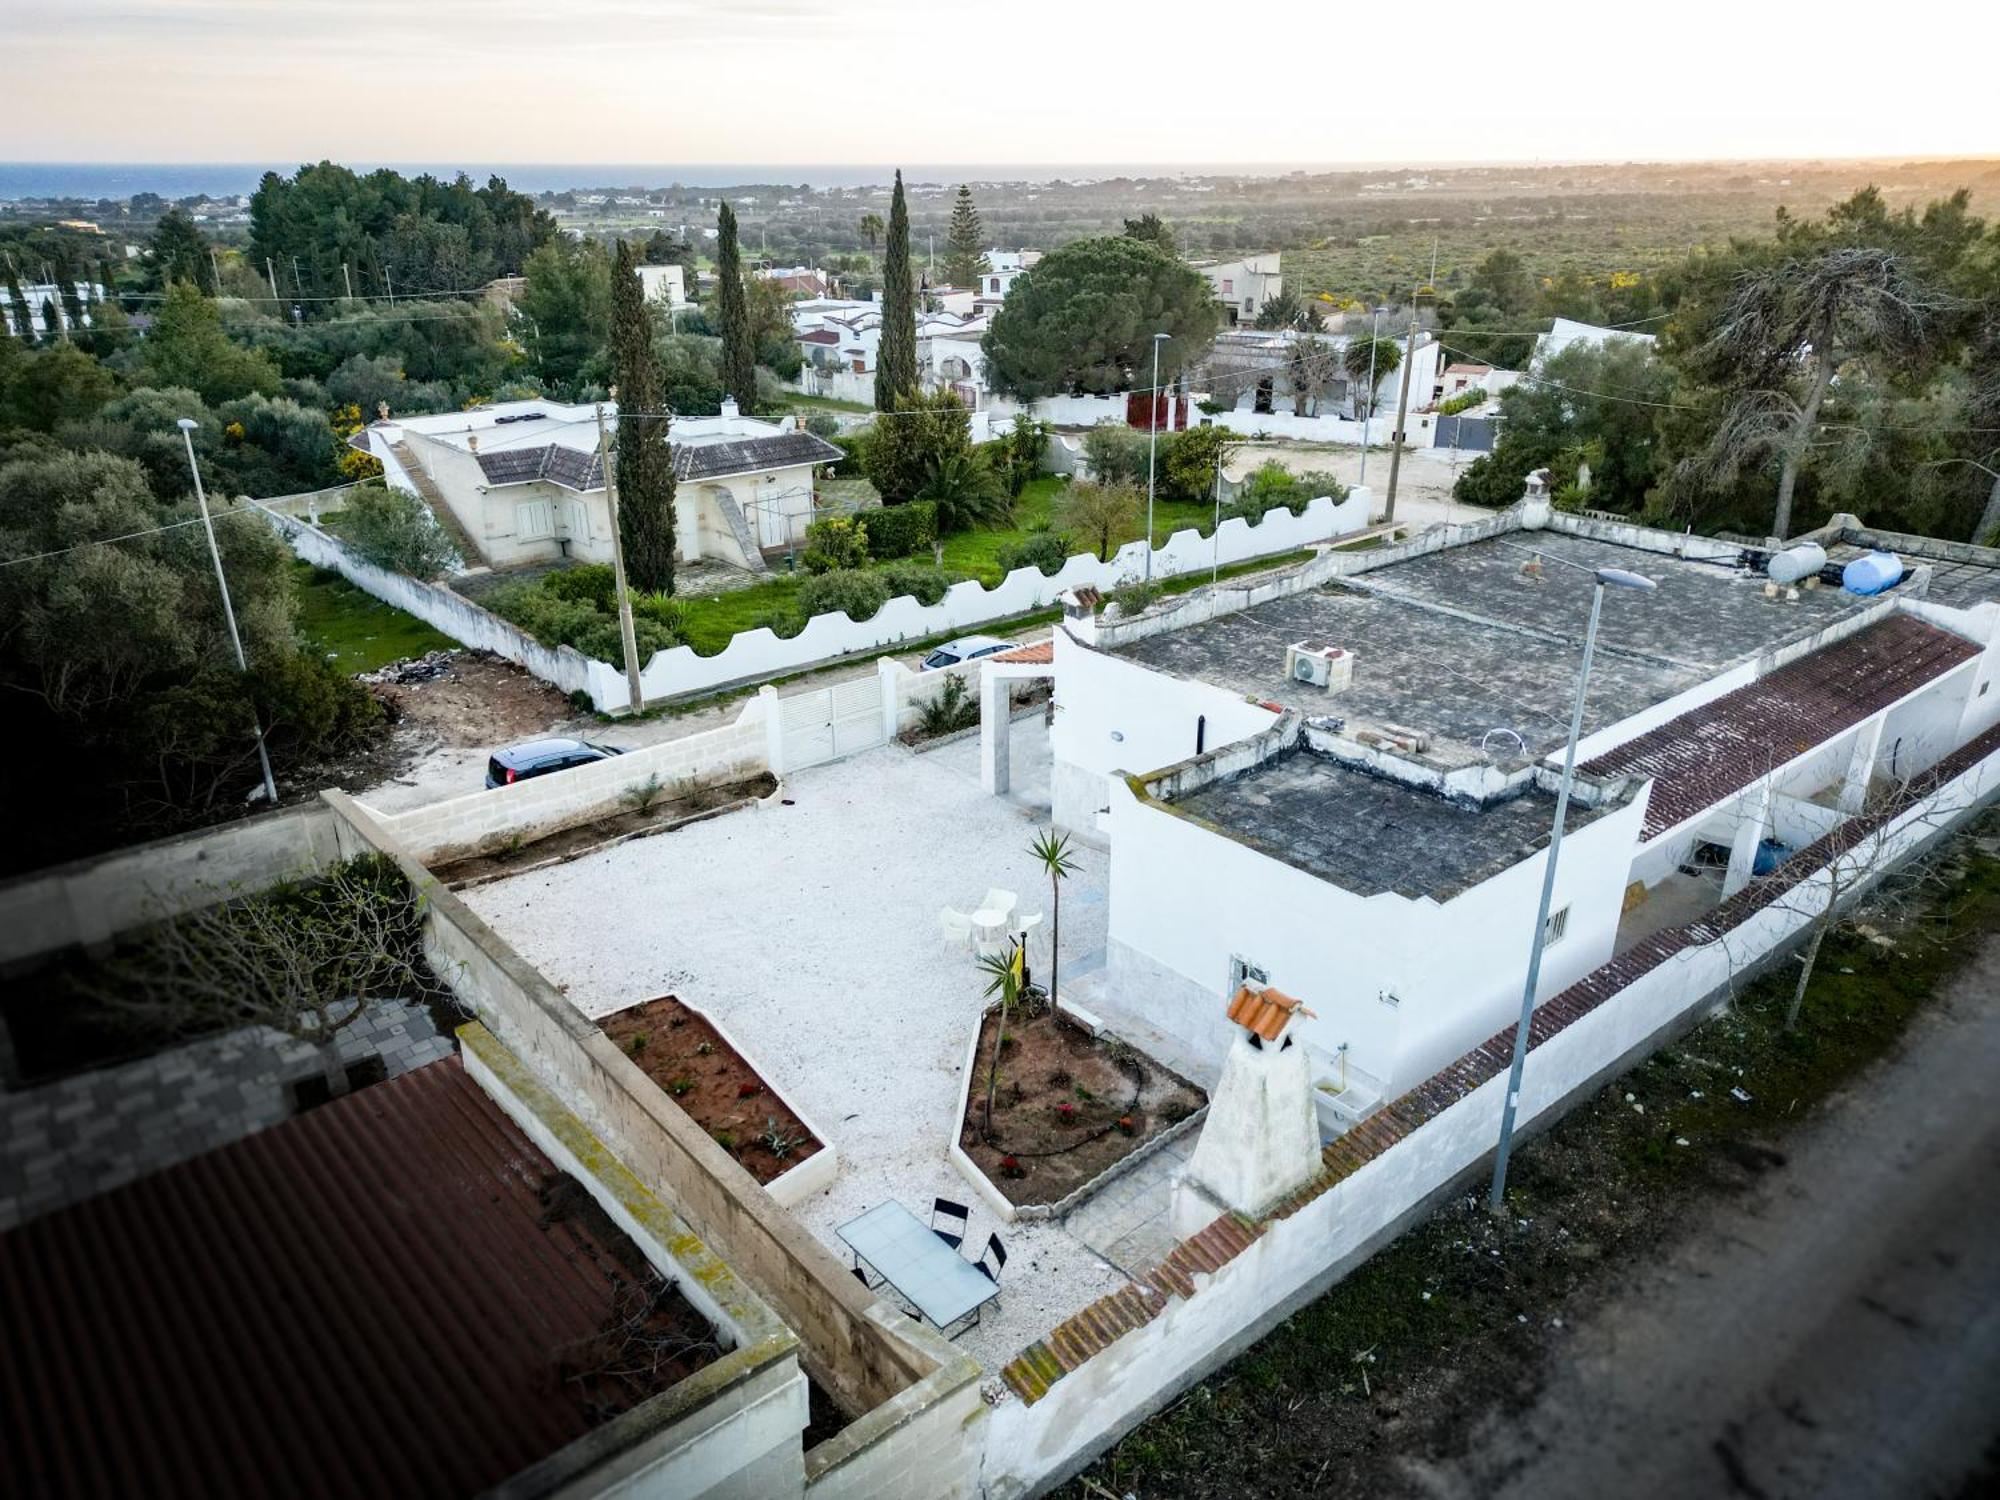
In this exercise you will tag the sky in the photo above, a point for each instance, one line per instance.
(1024, 81)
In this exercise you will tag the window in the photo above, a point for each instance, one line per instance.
(1228, 286)
(535, 521)
(1558, 925)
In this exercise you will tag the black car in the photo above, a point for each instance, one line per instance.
(539, 757)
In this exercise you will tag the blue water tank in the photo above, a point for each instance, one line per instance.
(1871, 574)
(1770, 854)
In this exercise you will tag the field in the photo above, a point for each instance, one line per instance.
(358, 631)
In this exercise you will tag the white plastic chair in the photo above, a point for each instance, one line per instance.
(956, 925)
(999, 900)
(1024, 922)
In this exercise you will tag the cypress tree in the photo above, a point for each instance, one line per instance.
(964, 253)
(645, 464)
(72, 300)
(53, 327)
(24, 320)
(739, 360)
(896, 354)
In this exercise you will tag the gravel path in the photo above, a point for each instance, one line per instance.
(811, 933)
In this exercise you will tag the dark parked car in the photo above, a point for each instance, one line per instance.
(539, 757)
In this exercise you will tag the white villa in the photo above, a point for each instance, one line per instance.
(1243, 286)
(1341, 782)
(520, 482)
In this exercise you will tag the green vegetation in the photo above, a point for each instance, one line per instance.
(1443, 1322)
(355, 631)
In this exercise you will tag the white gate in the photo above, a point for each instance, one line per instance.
(829, 723)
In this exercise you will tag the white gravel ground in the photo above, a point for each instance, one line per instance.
(811, 932)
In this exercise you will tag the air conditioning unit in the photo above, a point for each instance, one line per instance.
(1329, 667)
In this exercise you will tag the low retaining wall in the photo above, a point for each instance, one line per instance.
(1127, 1357)
(91, 900)
(482, 821)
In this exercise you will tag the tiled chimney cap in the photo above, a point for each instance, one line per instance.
(1266, 1012)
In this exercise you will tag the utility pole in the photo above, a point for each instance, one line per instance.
(1215, 558)
(272, 276)
(1152, 447)
(297, 285)
(347, 277)
(626, 634)
(215, 270)
(390, 283)
(1402, 411)
(187, 426)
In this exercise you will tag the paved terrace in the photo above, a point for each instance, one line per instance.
(811, 933)
(1368, 834)
(1462, 642)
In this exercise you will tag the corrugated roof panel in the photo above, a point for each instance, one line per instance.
(374, 1298)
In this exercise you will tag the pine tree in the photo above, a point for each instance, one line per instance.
(896, 353)
(964, 253)
(24, 319)
(739, 358)
(645, 464)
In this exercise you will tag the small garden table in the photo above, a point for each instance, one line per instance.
(936, 1279)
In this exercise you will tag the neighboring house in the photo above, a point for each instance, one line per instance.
(1566, 331)
(1251, 369)
(667, 284)
(521, 483)
(1243, 286)
(1347, 792)
(1003, 269)
(39, 294)
(800, 281)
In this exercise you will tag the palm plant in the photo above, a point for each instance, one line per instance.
(1005, 969)
(1052, 852)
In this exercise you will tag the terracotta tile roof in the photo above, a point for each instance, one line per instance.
(1265, 1011)
(1710, 752)
(1041, 653)
(1101, 1324)
(374, 1298)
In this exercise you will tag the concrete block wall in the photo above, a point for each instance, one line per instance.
(485, 819)
(92, 900)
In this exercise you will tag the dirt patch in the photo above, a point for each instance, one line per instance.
(714, 1083)
(1067, 1107)
(476, 699)
(635, 822)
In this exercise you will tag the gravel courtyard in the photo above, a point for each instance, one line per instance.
(811, 933)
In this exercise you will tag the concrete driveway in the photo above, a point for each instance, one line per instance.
(811, 932)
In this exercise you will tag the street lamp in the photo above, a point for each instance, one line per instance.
(1152, 447)
(1605, 578)
(187, 426)
(1368, 411)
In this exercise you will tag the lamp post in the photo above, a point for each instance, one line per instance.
(1368, 412)
(1152, 448)
(187, 426)
(1604, 578)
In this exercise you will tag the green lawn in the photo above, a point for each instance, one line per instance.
(978, 552)
(825, 403)
(358, 630)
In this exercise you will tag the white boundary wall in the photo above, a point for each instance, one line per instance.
(461, 619)
(753, 655)
(1031, 1447)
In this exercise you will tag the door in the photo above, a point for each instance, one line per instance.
(829, 723)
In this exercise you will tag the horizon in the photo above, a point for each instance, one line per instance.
(746, 82)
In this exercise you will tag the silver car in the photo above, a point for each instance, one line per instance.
(966, 648)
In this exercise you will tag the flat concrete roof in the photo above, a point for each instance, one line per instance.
(1461, 642)
(1367, 834)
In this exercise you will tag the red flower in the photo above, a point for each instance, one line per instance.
(1125, 1124)
(1009, 1167)
(1067, 1111)
(748, 1090)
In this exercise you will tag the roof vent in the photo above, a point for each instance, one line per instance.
(1329, 667)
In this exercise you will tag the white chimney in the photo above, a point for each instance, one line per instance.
(1260, 1141)
(729, 408)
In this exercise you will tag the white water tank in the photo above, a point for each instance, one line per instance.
(1797, 563)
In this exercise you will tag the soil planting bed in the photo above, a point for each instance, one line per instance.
(713, 1082)
(569, 842)
(1068, 1106)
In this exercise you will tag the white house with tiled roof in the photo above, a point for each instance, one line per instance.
(520, 482)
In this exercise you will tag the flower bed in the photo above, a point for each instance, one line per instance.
(700, 1069)
(1069, 1106)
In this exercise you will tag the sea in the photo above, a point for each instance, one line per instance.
(118, 180)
